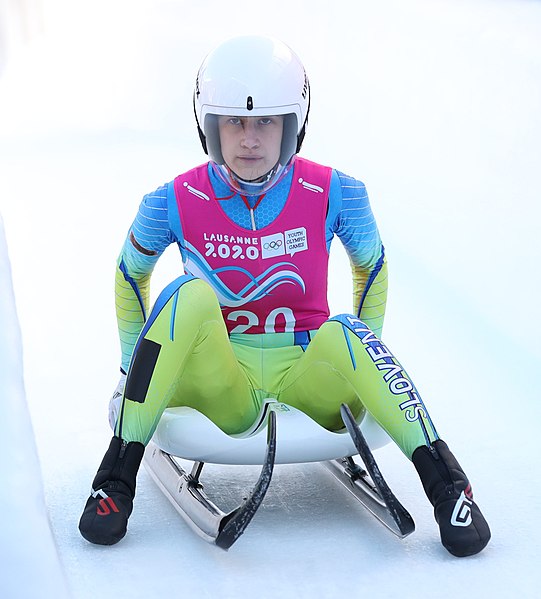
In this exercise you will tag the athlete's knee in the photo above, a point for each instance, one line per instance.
(169, 294)
(199, 293)
(195, 298)
(340, 334)
(185, 285)
(354, 324)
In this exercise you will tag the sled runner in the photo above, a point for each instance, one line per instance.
(281, 435)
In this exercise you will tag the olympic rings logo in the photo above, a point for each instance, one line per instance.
(273, 245)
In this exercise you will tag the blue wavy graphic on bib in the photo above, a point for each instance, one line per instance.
(256, 288)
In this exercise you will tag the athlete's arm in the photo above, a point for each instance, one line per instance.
(147, 238)
(353, 221)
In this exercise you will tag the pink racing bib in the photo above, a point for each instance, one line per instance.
(270, 280)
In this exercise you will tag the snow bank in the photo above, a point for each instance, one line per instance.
(29, 565)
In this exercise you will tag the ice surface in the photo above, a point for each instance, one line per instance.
(435, 105)
(24, 521)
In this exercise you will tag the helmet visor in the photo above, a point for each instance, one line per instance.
(251, 145)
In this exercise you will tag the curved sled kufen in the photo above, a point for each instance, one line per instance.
(187, 434)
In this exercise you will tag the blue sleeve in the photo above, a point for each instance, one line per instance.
(148, 237)
(350, 217)
(150, 233)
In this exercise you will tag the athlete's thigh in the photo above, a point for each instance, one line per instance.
(347, 363)
(316, 383)
(183, 358)
(214, 383)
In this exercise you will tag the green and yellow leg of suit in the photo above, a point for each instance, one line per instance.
(184, 357)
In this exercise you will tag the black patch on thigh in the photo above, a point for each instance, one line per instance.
(141, 370)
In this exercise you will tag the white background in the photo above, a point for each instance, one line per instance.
(435, 106)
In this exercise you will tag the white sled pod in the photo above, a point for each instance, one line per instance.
(186, 433)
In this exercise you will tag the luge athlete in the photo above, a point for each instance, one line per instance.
(250, 318)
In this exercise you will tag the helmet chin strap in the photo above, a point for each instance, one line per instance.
(259, 180)
(255, 186)
(247, 186)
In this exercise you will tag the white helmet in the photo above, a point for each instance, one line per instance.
(252, 76)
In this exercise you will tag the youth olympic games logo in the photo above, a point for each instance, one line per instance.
(290, 242)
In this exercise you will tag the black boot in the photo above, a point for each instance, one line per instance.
(463, 529)
(105, 517)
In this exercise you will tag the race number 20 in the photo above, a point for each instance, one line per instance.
(252, 320)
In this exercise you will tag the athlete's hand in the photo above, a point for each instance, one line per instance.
(116, 401)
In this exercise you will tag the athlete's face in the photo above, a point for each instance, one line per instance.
(251, 145)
